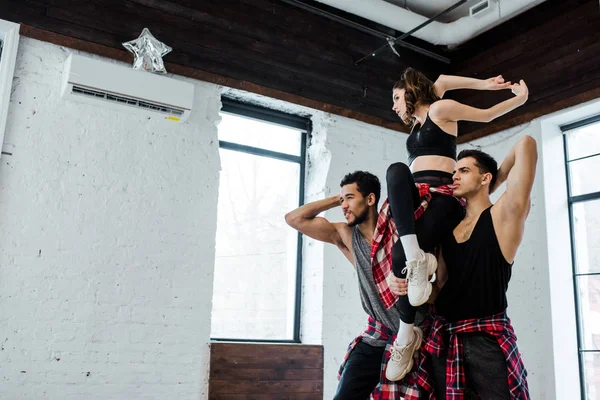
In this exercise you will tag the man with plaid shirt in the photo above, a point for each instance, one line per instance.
(362, 374)
(472, 343)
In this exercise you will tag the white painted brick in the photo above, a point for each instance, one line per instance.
(123, 210)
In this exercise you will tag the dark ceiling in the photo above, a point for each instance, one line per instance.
(279, 50)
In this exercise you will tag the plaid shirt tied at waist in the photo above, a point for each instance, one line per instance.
(386, 236)
(444, 334)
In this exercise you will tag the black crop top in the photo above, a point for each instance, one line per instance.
(430, 140)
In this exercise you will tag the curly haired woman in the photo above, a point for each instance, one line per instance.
(431, 150)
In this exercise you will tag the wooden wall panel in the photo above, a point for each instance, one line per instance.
(554, 47)
(265, 371)
(280, 51)
(265, 43)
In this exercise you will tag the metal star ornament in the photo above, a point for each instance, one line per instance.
(148, 52)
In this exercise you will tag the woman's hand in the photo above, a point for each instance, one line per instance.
(520, 89)
(398, 286)
(496, 83)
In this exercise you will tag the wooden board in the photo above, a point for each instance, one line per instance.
(277, 50)
(265, 371)
(266, 46)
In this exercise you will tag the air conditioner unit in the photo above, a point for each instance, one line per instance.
(106, 84)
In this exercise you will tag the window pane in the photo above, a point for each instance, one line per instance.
(260, 134)
(584, 176)
(592, 375)
(586, 232)
(255, 268)
(589, 305)
(583, 141)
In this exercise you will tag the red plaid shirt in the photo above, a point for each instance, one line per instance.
(442, 334)
(407, 389)
(386, 235)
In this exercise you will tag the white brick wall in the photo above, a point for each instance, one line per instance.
(108, 236)
(108, 230)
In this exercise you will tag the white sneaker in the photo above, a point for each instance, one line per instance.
(401, 360)
(417, 274)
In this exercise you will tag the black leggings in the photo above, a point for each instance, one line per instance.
(441, 217)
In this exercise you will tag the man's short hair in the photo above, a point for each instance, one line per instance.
(366, 183)
(483, 161)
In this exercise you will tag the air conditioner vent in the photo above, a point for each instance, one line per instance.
(127, 100)
(480, 8)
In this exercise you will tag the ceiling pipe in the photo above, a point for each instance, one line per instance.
(447, 34)
(388, 38)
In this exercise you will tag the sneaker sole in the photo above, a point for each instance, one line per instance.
(423, 299)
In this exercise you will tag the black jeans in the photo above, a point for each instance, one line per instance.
(485, 368)
(361, 373)
(443, 214)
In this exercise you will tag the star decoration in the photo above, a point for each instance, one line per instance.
(148, 52)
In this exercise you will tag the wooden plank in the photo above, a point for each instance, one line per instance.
(265, 371)
(530, 61)
(16, 11)
(267, 396)
(232, 372)
(213, 23)
(294, 84)
(303, 32)
(287, 18)
(241, 59)
(210, 41)
(540, 40)
(517, 31)
(260, 349)
(244, 355)
(265, 61)
(237, 16)
(280, 387)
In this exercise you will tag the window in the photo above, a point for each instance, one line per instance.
(258, 261)
(582, 150)
(9, 42)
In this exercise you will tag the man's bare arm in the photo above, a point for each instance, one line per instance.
(513, 206)
(304, 219)
(519, 169)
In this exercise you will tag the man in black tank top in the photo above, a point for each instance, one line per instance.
(481, 352)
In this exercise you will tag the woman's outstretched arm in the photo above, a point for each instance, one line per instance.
(451, 82)
(450, 110)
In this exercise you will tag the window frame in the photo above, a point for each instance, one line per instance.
(573, 200)
(304, 124)
(9, 46)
